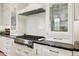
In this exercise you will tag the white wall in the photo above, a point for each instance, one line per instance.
(76, 30)
(2, 27)
(6, 15)
(35, 24)
(21, 6)
(1, 13)
(21, 27)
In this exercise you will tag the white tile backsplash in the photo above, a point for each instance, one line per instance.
(35, 24)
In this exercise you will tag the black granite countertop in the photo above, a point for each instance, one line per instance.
(56, 44)
(65, 46)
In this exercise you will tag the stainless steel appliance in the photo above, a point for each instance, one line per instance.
(27, 39)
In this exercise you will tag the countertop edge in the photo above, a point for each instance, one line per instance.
(70, 49)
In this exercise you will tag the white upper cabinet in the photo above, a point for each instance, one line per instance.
(59, 19)
(1, 13)
(13, 16)
(76, 6)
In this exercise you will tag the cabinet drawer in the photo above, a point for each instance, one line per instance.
(67, 39)
(51, 51)
(75, 53)
(58, 51)
(22, 50)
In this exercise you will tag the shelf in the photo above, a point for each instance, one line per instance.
(31, 9)
(40, 10)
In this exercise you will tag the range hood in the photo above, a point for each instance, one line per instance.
(32, 9)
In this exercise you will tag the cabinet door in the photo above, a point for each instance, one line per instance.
(59, 20)
(75, 53)
(59, 17)
(76, 6)
(51, 51)
(13, 19)
(21, 50)
(38, 50)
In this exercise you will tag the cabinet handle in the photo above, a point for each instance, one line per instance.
(58, 38)
(54, 51)
(19, 49)
(36, 51)
(26, 52)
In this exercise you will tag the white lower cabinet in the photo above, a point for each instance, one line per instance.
(75, 53)
(43, 50)
(38, 50)
(22, 50)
